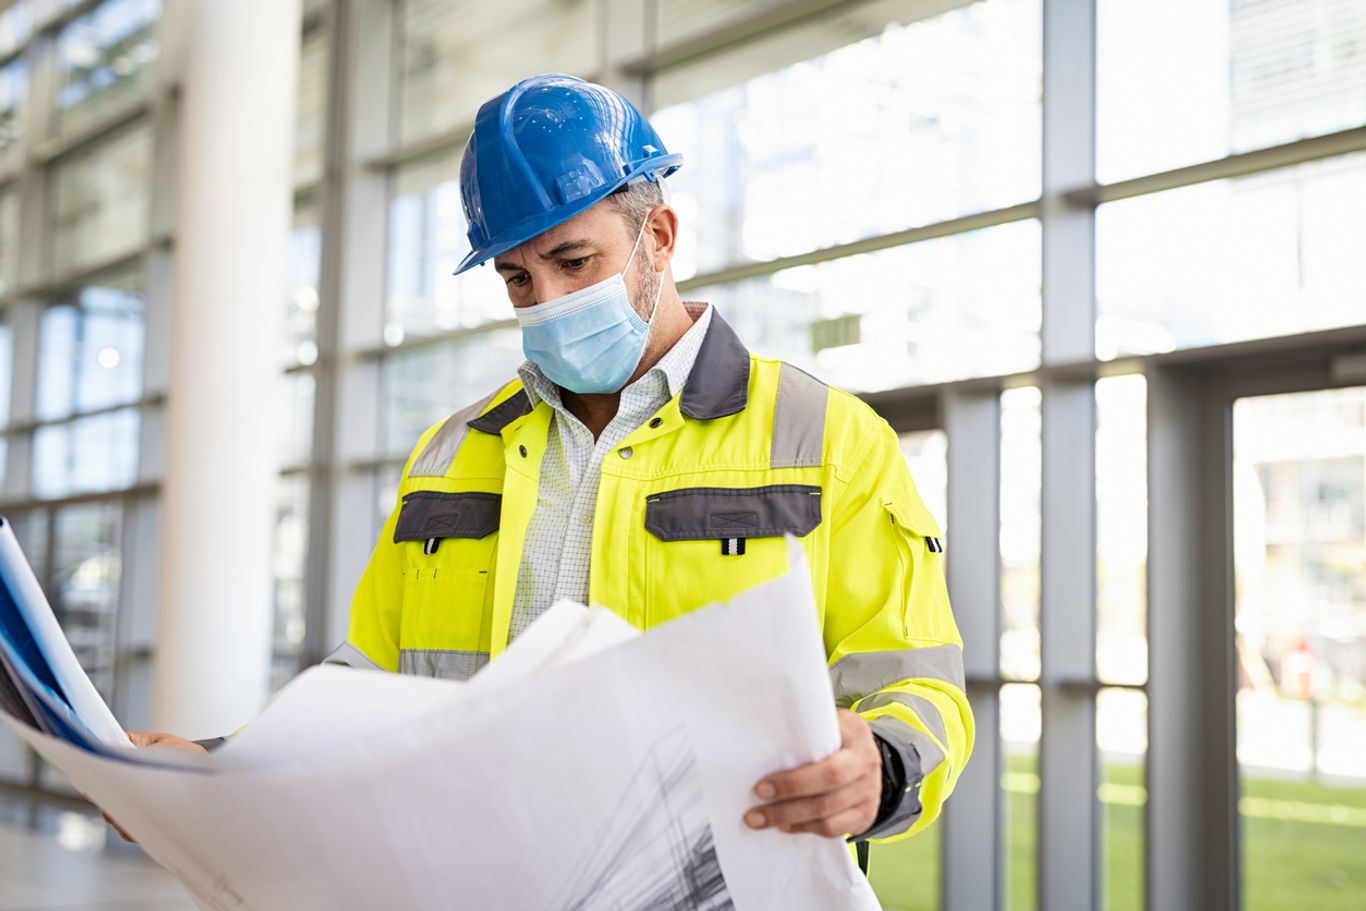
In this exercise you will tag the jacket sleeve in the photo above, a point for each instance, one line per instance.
(895, 654)
(377, 605)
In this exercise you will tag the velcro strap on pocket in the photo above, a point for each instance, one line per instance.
(702, 513)
(428, 514)
(910, 512)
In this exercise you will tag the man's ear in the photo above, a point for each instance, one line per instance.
(662, 226)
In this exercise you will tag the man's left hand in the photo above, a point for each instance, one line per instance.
(835, 797)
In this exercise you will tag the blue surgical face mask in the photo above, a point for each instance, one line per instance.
(589, 341)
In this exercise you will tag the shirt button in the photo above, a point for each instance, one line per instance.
(626, 452)
(586, 518)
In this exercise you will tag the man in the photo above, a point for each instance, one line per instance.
(646, 461)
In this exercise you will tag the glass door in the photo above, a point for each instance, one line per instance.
(1299, 493)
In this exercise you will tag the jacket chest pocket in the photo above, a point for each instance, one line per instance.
(708, 544)
(449, 541)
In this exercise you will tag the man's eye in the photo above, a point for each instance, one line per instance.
(576, 263)
(518, 280)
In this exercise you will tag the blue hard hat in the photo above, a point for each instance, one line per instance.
(544, 151)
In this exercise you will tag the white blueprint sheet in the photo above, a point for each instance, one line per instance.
(615, 783)
(37, 615)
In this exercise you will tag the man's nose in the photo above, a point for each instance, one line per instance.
(553, 286)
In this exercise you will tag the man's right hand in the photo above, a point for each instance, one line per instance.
(153, 739)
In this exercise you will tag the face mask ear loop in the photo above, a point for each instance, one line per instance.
(659, 287)
(659, 291)
(635, 246)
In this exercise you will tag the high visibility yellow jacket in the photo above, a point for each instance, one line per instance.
(692, 509)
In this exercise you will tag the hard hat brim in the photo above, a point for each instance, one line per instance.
(657, 167)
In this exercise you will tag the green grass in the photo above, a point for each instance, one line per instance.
(1304, 847)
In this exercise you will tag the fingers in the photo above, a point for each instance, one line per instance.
(832, 797)
(156, 739)
(788, 814)
(814, 778)
(119, 829)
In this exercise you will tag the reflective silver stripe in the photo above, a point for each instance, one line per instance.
(447, 664)
(896, 731)
(798, 420)
(351, 656)
(924, 709)
(855, 676)
(440, 450)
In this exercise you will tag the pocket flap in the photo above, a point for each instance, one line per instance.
(701, 513)
(427, 514)
(911, 513)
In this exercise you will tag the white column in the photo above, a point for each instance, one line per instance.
(233, 215)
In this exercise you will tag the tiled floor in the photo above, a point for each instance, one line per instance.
(71, 862)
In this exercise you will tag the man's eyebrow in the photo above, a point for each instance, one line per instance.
(563, 248)
(554, 252)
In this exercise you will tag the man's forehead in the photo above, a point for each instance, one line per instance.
(583, 230)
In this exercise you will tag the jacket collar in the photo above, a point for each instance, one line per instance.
(503, 414)
(717, 385)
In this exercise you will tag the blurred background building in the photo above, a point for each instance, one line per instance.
(1101, 262)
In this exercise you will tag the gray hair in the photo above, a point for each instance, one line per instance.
(635, 200)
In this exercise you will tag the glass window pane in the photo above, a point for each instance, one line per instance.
(296, 418)
(291, 554)
(6, 366)
(90, 348)
(104, 60)
(311, 116)
(13, 94)
(303, 266)
(100, 200)
(6, 375)
(9, 241)
(839, 139)
(424, 385)
(905, 875)
(1269, 254)
(426, 242)
(927, 455)
(1299, 487)
(386, 480)
(1122, 738)
(1021, 531)
(1021, 726)
(922, 313)
(87, 565)
(14, 758)
(16, 25)
(86, 455)
(454, 56)
(1122, 529)
(1235, 75)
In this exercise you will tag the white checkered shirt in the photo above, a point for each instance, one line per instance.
(559, 538)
